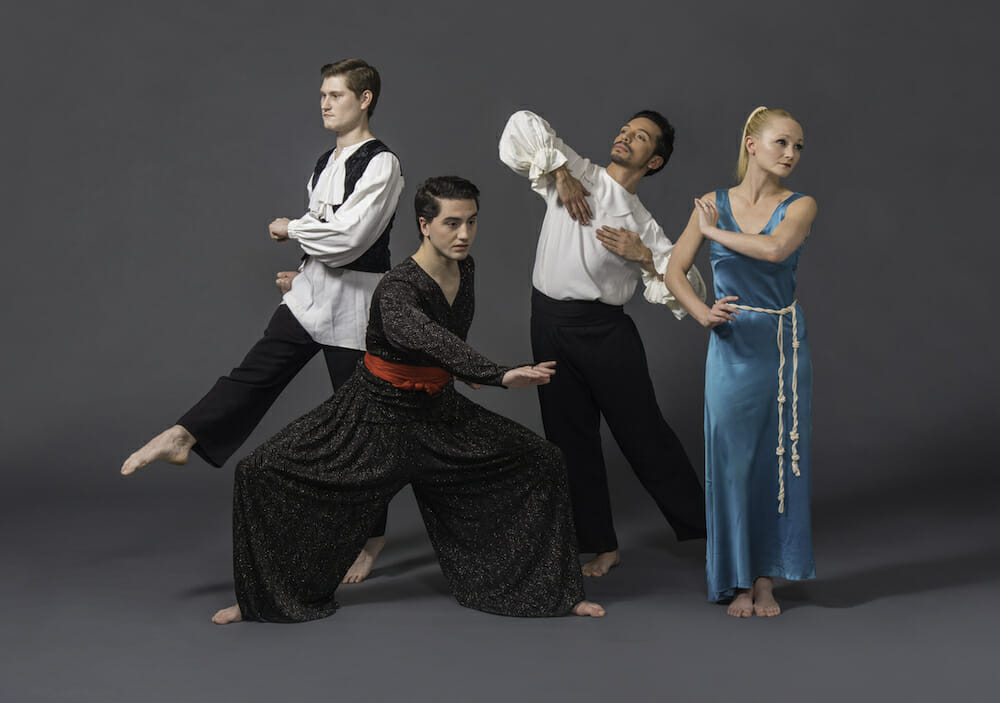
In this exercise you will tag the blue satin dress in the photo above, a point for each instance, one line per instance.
(752, 530)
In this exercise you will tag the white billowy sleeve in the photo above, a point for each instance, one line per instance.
(347, 233)
(530, 147)
(656, 290)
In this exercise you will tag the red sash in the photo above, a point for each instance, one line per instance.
(430, 379)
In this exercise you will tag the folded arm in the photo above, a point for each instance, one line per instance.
(347, 233)
(530, 147)
(777, 246)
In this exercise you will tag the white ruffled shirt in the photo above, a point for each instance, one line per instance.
(570, 262)
(332, 303)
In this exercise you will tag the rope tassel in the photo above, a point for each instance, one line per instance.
(793, 433)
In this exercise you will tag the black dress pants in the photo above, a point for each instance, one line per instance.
(602, 370)
(223, 419)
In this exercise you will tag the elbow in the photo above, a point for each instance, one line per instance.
(521, 115)
(670, 280)
(775, 253)
(674, 276)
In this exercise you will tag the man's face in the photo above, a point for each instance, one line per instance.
(635, 145)
(342, 109)
(452, 232)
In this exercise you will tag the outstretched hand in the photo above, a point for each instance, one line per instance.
(526, 376)
(721, 312)
(708, 215)
(572, 194)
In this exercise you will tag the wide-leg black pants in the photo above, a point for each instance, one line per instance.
(602, 370)
(492, 494)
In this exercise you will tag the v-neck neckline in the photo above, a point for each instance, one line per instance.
(451, 305)
(732, 215)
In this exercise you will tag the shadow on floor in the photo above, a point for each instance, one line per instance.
(856, 589)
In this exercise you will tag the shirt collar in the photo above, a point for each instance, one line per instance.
(620, 203)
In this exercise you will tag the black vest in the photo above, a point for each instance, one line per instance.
(376, 258)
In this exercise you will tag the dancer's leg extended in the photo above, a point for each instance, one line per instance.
(216, 426)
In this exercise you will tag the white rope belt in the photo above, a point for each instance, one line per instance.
(793, 434)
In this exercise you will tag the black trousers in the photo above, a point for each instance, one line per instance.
(602, 370)
(492, 495)
(223, 419)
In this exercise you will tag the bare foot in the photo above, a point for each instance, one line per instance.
(228, 615)
(764, 604)
(602, 564)
(588, 609)
(172, 446)
(362, 566)
(742, 605)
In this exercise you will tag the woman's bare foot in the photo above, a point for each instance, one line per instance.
(588, 609)
(362, 566)
(228, 615)
(764, 604)
(742, 605)
(172, 446)
(602, 564)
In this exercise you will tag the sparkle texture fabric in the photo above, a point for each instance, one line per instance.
(492, 494)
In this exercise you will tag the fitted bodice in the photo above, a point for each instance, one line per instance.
(760, 283)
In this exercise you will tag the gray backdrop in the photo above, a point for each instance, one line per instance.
(147, 146)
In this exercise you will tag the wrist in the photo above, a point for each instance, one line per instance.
(646, 261)
(646, 264)
(702, 315)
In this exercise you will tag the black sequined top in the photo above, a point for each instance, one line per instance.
(410, 322)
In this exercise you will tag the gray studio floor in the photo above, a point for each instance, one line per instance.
(107, 594)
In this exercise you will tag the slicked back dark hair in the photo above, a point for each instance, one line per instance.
(359, 77)
(665, 142)
(427, 201)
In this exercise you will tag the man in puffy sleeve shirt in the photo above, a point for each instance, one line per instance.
(597, 242)
(344, 236)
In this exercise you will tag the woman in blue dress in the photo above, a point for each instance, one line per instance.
(758, 375)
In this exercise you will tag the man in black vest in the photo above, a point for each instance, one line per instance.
(353, 194)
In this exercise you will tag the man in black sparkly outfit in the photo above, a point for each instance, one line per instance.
(492, 494)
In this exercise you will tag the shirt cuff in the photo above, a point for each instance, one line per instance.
(292, 226)
(545, 161)
(657, 292)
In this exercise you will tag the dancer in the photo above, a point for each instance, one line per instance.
(492, 494)
(353, 193)
(758, 376)
(582, 277)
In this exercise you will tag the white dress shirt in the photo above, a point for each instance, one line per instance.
(332, 303)
(570, 262)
